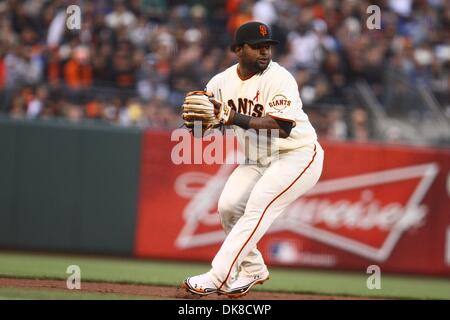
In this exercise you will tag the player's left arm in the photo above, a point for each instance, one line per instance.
(267, 122)
(280, 112)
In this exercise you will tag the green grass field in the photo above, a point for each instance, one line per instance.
(38, 266)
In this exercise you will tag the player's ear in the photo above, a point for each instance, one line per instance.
(238, 50)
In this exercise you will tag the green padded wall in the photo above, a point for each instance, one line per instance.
(68, 187)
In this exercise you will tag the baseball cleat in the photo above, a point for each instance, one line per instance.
(242, 285)
(201, 285)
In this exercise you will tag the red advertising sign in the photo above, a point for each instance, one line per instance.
(374, 204)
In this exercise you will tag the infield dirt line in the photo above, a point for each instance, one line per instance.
(160, 292)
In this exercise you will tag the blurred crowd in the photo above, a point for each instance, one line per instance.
(132, 62)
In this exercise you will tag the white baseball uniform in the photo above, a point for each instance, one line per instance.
(257, 193)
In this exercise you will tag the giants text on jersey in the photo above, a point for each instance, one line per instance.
(273, 92)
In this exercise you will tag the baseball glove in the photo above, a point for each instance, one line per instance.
(202, 108)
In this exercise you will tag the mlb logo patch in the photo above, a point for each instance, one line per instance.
(283, 252)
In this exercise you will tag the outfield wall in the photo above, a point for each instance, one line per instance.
(68, 187)
(109, 190)
(374, 205)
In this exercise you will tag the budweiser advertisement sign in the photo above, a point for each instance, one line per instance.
(387, 205)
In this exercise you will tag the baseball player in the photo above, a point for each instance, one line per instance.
(256, 93)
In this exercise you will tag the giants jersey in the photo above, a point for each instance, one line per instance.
(273, 92)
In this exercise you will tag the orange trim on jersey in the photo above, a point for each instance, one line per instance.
(242, 77)
(264, 212)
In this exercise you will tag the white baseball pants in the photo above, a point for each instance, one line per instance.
(253, 197)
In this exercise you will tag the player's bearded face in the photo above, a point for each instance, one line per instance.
(256, 58)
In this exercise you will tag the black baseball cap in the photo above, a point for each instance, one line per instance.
(253, 32)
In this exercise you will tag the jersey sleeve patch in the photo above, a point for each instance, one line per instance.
(280, 102)
(281, 108)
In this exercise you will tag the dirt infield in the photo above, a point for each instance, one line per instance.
(158, 292)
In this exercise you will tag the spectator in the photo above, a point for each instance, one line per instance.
(78, 70)
(359, 130)
(121, 17)
(337, 128)
(132, 61)
(37, 104)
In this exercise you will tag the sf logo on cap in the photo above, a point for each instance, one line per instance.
(263, 30)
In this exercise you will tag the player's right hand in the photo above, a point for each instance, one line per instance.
(221, 110)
